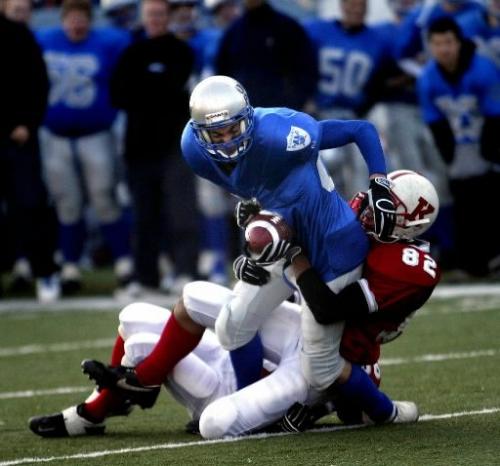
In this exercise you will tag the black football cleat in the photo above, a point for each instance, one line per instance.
(68, 423)
(122, 378)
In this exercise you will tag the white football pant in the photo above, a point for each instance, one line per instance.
(70, 164)
(204, 381)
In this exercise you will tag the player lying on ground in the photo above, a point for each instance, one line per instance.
(204, 381)
(360, 344)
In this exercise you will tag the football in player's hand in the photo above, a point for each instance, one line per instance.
(264, 229)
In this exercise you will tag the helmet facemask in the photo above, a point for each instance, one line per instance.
(232, 150)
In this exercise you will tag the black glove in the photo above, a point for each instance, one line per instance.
(384, 210)
(248, 271)
(298, 418)
(245, 210)
(272, 252)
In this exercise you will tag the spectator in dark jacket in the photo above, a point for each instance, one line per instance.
(24, 211)
(271, 55)
(150, 84)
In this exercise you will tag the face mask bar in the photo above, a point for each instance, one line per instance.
(230, 151)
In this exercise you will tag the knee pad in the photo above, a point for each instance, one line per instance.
(142, 317)
(321, 372)
(138, 347)
(230, 335)
(217, 419)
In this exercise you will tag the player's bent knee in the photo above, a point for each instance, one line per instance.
(230, 336)
(139, 346)
(217, 419)
(142, 317)
(320, 373)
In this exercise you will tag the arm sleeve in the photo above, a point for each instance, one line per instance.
(337, 133)
(327, 307)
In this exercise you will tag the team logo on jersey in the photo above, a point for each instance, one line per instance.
(422, 209)
(297, 139)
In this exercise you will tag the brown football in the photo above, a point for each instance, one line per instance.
(264, 228)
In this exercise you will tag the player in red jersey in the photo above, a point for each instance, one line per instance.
(398, 278)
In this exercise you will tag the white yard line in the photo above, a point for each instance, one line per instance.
(56, 347)
(460, 291)
(383, 362)
(47, 392)
(171, 446)
(438, 357)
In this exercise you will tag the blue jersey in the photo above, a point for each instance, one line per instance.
(464, 103)
(410, 41)
(282, 170)
(79, 73)
(348, 62)
(487, 38)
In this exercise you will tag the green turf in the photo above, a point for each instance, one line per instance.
(439, 387)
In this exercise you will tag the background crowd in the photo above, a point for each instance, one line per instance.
(95, 97)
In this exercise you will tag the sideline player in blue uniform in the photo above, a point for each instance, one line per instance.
(272, 154)
(76, 140)
(459, 94)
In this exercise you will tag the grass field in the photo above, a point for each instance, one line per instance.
(448, 362)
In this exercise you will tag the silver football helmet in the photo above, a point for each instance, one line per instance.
(416, 201)
(216, 103)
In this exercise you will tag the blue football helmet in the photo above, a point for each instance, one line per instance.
(216, 103)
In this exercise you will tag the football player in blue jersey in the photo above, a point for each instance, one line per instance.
(353, 60)
(460, 100)
(78, 149)
(271, 154)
